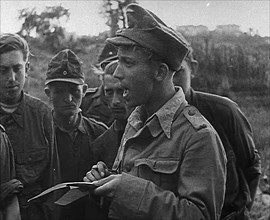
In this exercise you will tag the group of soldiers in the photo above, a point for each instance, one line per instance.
(153, 147)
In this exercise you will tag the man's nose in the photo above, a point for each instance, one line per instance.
(68, 97)
(118, 73)
(11, 75)
(116, 99)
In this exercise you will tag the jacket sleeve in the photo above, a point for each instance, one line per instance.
(200, 188)
(248, 158)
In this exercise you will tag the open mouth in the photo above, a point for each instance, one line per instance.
(125, 93)
(12, 87)
(118, 110)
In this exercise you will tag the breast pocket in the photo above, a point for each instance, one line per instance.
(31, 165)
(161, 171)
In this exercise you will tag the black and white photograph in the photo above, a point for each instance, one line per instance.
(135, 110)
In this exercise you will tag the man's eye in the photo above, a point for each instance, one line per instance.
(17, 69)
(3, 69)
(75, 91)
(128, 62)
(58, 91)
(108, 92)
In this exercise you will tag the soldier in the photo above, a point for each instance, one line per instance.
(10, 187)
(74, 133)
(27, 121)
(94, 104)
(243, 166)
(107, 144)
(171, 162)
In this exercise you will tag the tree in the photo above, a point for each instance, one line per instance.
(45, 25)
(113, 10)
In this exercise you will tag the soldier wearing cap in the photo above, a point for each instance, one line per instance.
(94, 104)
(74, 133)
(107, 144)
(171, 163)
(244, 165)
(27, 121)
(10, 186)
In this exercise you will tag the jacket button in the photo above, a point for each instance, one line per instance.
(203, 126)
(191, 112)
(128, 168)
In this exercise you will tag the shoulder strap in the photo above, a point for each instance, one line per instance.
(195, 117)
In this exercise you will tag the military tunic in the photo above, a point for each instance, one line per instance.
(106, 146)
(76, 157)
(173, 166)
(94, 106)
(29, 129)
(244, 165)
(9, 185)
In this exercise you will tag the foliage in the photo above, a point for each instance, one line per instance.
(231, 62)
(45, 25)
(113, 10)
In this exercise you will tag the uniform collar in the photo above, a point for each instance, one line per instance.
(80, 127)
(99, 92)
(160, 120)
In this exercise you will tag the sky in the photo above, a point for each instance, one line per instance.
(85, 18)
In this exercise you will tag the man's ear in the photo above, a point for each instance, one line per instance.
(194, 67)
(162, 72)
(85, 87)
(27, 67)
(47, 91)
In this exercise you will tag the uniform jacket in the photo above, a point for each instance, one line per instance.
(107, 144)
(244, 165)
(9, 185)
(94, 106)
(73, 157)
(29, 129)
(173, 166)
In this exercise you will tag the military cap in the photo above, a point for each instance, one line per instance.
(107, 61)
(65, 66)
(149, 31)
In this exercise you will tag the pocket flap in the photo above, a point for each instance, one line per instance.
(32, 156)
(162, 165)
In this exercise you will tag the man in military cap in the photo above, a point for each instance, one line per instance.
(243, 166)
(171, 162)
(27, 121)
(74, 133)
(94, 104)
(107, 144)
(10, 187)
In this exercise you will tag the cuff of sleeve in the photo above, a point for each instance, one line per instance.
(128, 196)
(14, 186)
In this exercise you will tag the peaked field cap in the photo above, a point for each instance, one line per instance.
(65, 66)
(149, 31)
(107, 61)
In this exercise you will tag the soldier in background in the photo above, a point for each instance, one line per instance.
(94, 102)
(244, 165)
(74, 133)
(27, 121)
(108, 143)
(171, 162)
(10, 187)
